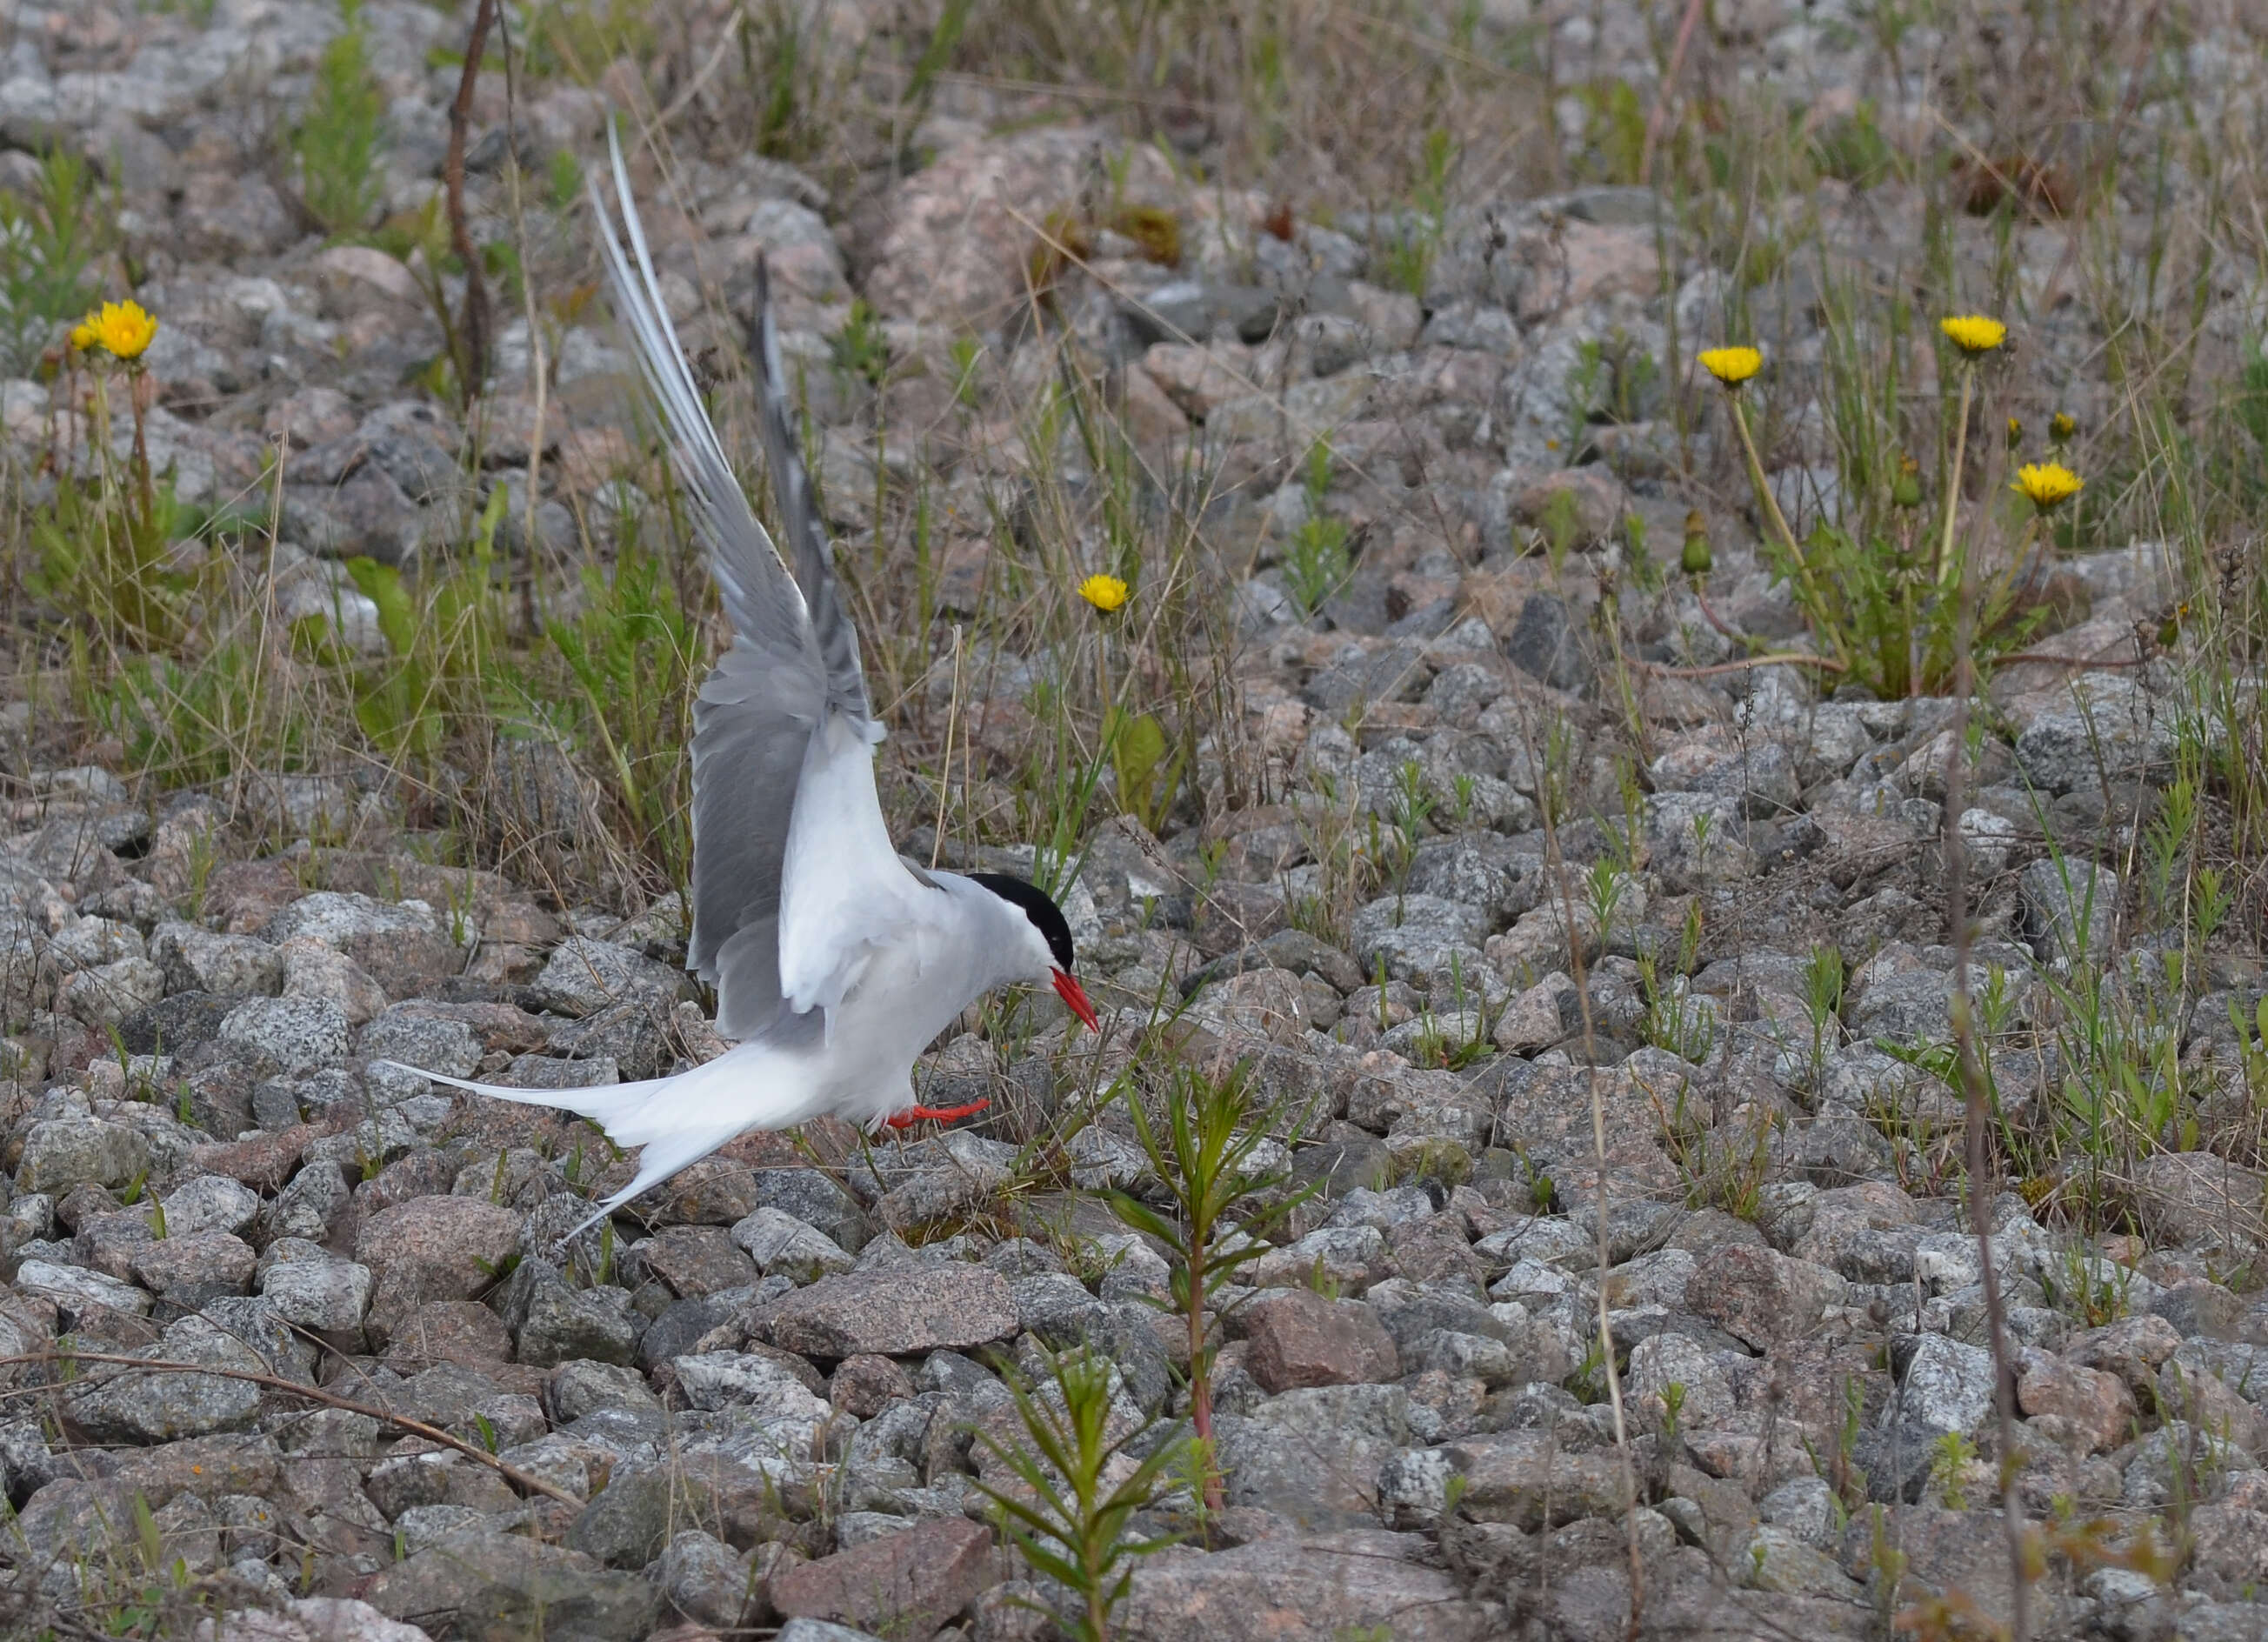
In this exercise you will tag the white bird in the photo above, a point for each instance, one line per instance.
(836, 961)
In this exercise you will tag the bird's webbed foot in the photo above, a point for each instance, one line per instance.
(914, 1115)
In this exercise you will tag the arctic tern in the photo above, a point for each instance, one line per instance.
(835, 960)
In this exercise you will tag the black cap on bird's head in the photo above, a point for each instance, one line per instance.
(1053, 928)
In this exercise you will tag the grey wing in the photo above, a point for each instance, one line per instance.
(757, 709)
(814, 560)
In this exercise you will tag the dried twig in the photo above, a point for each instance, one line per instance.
(512, 1474)
(473, 333)
(1555, 863)
(1660, 115)
(1791, 658)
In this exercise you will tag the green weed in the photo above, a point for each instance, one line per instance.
(48, 248)
(1220, 1201)
(339, 140)
(1073, 1523)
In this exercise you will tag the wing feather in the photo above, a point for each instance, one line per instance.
(787, 903)
(814, 560)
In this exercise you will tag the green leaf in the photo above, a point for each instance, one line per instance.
(381, 585)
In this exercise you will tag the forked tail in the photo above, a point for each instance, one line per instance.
(679, 1120)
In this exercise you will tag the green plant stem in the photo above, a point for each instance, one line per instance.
(141, 446)
(1771, 502)
(1971, 1075)
(1946, 573)
(1201, 1383)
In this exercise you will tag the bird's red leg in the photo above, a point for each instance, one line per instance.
(914, 1115)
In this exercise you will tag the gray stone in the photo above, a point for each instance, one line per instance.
(1695, 840)
(1478, 869)
(1391, 673)
(780, 1243)
(428, 1042)
(627, 1526)
(716, 1380)
(705, 1578)
(115, 1403)
(175, 1023)
(553, 1323)
(328, 1295)
(75, 1289)
(821, 1631)
(210, 1202)
(1805, 1507)
(108, 995)
(287, 1034)
(91, 942)
(309, 1204)
(2198, 1199)
(2108, 728)
(63, 1151)
(507, 1584)
(1947, 1386)
(197, 960)
(579, 1386)
(1420, 936)
(2071, 904)
(1758, 775)
(1314, 1455)
(583, 976)
(1533, 1480)
(636, 1033)
(1545, 643)
(893, 1312)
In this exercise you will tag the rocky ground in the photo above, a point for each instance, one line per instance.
(1477, 857)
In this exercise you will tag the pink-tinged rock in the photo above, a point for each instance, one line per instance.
(432, 1248)
(2097, 1405)
(263, 1163)
(905, 1585)
(1585, 262)
(1760, 1294)
(1300, 1339)
(951, 243)
(2196, 1199)
(190, 1270)
(2133, 1348)
(1359, 1582)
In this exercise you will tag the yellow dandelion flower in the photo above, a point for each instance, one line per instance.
(1732, 366)
(2047, 485)
(1973, 333)
(1106, 594)
(121, 330)
(2061, 427)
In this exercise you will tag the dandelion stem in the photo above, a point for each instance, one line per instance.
(1945, 568)
(1771, 504)
(141, 444)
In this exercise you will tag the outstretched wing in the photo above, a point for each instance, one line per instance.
(792, 670)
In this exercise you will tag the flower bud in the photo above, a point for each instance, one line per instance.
(1905, 489)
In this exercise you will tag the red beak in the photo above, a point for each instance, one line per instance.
(1070, 991)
